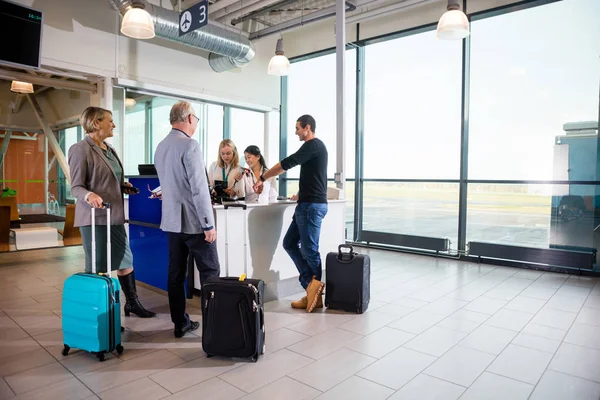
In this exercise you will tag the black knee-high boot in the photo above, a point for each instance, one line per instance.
(132, 304)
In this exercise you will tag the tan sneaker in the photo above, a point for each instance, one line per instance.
(300, 304)
(314, 293)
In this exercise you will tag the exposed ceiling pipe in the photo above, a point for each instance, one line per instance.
(239, 8)
(299, 21)
(227, 49)
(386, 10)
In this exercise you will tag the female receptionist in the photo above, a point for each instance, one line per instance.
(256, 167)
(226, 172)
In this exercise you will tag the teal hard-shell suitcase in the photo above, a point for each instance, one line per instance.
(91, 307)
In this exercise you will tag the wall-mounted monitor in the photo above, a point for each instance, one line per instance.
(21, 33)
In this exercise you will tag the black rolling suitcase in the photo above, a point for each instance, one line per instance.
(348, 280)
(233, 322)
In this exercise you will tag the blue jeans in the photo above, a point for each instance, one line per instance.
(302, 240)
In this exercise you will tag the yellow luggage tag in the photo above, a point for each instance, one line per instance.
(242, 278)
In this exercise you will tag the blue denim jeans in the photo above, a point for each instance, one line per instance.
(302, 240)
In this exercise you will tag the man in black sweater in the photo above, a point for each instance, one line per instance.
(302, 238)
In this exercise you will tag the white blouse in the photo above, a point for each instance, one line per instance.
(269, 193)
(215, 173)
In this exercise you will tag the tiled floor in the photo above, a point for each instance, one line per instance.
(435, 329)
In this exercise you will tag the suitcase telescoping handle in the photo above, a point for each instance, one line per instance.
(345, 256)
(108, 255)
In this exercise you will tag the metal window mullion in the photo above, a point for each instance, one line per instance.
(464, 142)
(359, 143)
(283, 123)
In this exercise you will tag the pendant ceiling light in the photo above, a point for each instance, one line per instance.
(454, 24)
(21, 87)
(137, 23)
(279, 65)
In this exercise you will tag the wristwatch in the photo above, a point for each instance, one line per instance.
(262, 178)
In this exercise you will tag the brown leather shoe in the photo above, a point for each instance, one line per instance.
(300, 304)
(314, 293)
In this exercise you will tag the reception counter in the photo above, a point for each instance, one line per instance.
(249, 240)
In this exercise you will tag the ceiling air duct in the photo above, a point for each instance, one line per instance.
(227, 49)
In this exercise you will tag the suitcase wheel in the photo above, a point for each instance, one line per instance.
(254, 359)
(100, 356)
(65, 350)
(122, 329)
(119, 349)
(208, 355)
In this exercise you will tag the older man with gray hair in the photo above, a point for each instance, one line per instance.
(187, 214)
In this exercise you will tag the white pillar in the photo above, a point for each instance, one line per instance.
(340, 73)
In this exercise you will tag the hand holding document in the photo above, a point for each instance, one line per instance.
(155, 193)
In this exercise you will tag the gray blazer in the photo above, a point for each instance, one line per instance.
(91, 172)
(186, 204)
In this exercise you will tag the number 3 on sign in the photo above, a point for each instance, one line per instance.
(202, 13)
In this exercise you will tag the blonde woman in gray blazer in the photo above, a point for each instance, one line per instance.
(97, 177)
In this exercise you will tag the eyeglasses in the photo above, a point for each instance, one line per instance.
(194, 115)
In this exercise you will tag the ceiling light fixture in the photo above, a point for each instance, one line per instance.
(454, 24)
(21, 87)
(279, 64)
(137, 22)
(130, 103)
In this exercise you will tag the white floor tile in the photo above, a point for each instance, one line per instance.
(460, 366)
(370, 322)
(489, 339)
(589, 316)
(559, 386)
(435, 341)
(417, 322)
(525, 304)
(537, 343)
(356, 388)
(509, 319)
(577, 361)
(521, 363)
(493, 387)
(325, 343)
(545, 331)
(141, 389)
(425, 387)
(215, 387)
(554, 318)
(584, 335)
(284, 389)
(333, 369)
(397, 368)
(381, 342)
(253, 376)
(485, 305)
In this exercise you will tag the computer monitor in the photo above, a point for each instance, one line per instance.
(147, 169)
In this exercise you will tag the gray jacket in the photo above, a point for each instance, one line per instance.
(91, 172)
(186, 204)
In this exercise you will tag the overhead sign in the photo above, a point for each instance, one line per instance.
(193, 18)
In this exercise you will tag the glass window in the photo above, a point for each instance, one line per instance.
(247, 128)
(161, 125)
(528, 84)
(214, 132)
(135, 138)
(312, 90)
(534, 102)
(413, 108)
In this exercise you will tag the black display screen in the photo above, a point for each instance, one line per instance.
(21, 32)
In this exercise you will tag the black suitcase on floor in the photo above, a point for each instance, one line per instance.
(348, 280)
(233, 322)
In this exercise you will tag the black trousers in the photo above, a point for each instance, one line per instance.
(207, 261)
